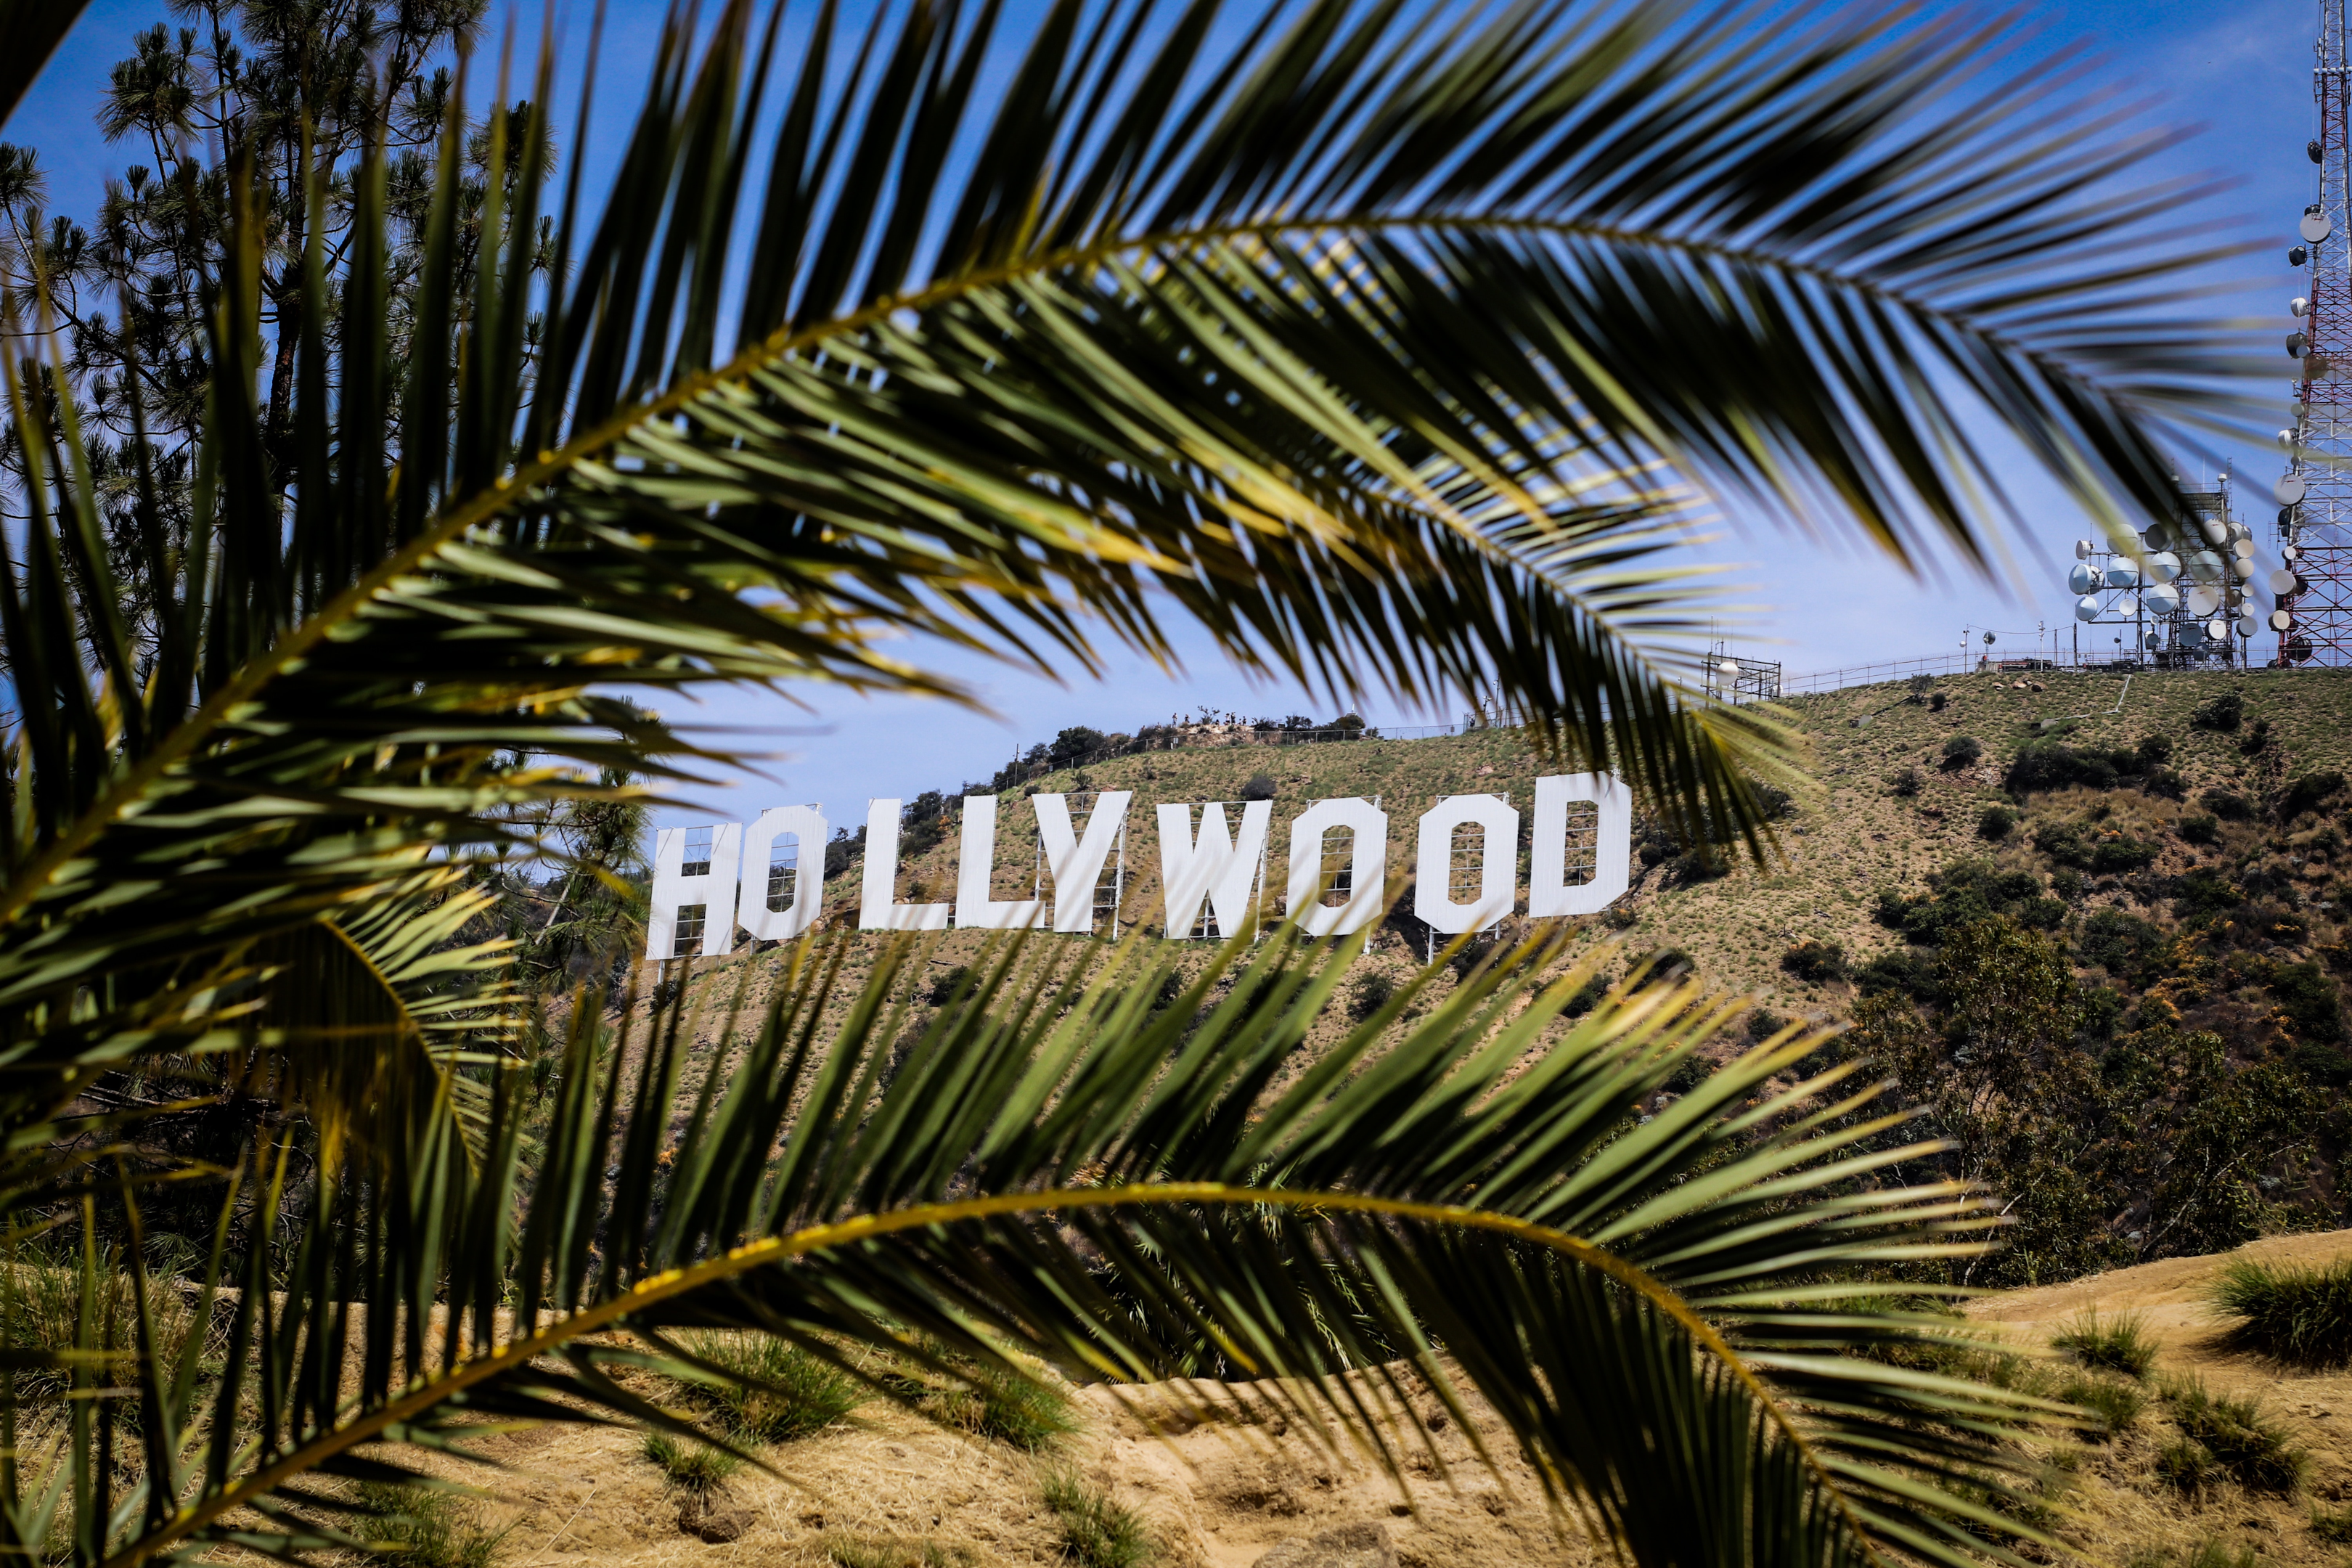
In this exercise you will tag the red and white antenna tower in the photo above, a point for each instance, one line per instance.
(2313, 618)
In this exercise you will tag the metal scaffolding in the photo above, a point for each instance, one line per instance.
(2314, 521)
(1111, 885)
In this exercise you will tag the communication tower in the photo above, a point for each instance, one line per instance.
(2313, 589)
(2182, 600)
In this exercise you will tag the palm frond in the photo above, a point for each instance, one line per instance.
(1661, 1312)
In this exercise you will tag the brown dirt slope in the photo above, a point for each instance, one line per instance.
(2112, 1506)
(886, 1487)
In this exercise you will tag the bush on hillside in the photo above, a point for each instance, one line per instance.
(1900, 974)
(2322, 1064)
(2103, 852)
(1815, 962)
(2298, 1313)
(2228, 804)
(1962, 752)
(2042, 766)
(2116, 1345)
(2306, 793)
(2203, 894)
(2309, 1000)
(1969, 891)
(2122, 944)
(1259, 787)
(2240, 1435)
(1997, 823)
(2198, 829)
(2220, 712)
(1905, 784)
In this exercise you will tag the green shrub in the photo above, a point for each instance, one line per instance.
(425, 1527)
(2240, 1436)
(696, 1466)
(1997, 823)
(2322, 1064)
(2200, 829)
(2227, 804)
(802, 1392)
(2110, 856)
(1373, 991)
(1901, 971)
(2115, 1407)
(1260, 787)
(2305, 794)
(1962, 752)
(944, 986)
(2308, 997)
(2186, 1466)
(1096, 1532)
(1689, 1073)
(1815, 960)
(2203, 894)
(2122, 944)
(2220, 712)
(2118, 1344)
(1905, 784)
(991, 1402)
(2296, 1313)
(1763, 1024)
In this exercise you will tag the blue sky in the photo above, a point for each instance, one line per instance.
(2237, 72)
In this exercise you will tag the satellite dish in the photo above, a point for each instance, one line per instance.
(2289, 490)
(2244, 567)
(2086, 608)
(2204, 601)
(2192, 635)
(2214, 532)
(2163, 566)
(2295, 343)
(2287, 441)
(2299, 306)
(2315, 227)
(2281, 620)
(2296, 256)
(2217, 630)
(2205, 566)
(2315, 365)
(2247, 625)
(2153, 639)
(2082, 550)
(2081, 579)
(2122, 572)
(1729, 666)
(2280, 582)
(2243, 549)
(2127, 607)
(2291, 553)
(2314, 150)
(2161, 598)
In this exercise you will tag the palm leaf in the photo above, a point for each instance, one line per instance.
(1655, 1310)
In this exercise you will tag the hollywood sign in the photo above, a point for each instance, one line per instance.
(1212, 865)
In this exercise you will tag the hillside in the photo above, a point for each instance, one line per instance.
(1857, 838)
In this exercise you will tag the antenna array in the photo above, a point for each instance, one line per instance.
(2313, 589)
